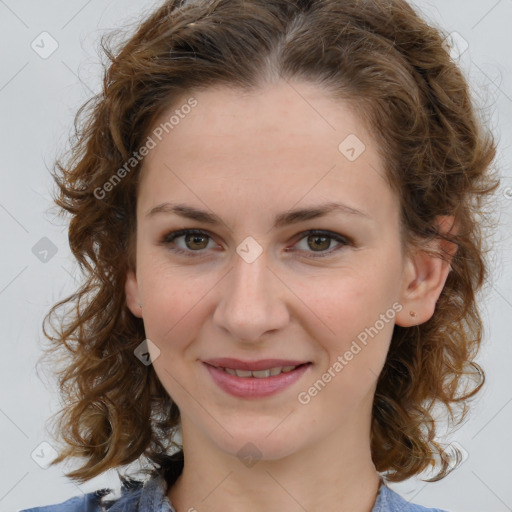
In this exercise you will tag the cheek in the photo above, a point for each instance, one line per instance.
(357, 319)
(174, 303)
(174, 299)
(353, 300)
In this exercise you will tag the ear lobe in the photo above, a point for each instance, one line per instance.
(425, 276)
(131, 289)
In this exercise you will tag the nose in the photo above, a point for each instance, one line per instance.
(252, 300)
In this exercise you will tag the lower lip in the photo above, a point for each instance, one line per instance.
(252, 387)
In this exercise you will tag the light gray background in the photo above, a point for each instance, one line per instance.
(38, 99)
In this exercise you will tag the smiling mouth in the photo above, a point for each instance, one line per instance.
(260, 374)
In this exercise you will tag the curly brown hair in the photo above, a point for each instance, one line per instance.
(380, 55)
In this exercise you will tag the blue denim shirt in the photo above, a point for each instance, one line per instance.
(152, 497)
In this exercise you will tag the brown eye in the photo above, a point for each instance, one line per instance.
(318, 243)
(195, 241)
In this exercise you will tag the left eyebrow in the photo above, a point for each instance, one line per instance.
(282, 219)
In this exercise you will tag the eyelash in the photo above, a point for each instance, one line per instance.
(169, 238)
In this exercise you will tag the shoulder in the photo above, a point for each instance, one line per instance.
(135, 496)
(90, 502)
(390, 501)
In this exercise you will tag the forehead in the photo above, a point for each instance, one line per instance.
(288, 111)
(284, 142)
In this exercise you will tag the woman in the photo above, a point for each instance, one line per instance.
(278, 208)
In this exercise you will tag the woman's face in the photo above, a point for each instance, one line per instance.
(253, 284)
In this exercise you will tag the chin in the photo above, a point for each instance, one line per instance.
(250, 447)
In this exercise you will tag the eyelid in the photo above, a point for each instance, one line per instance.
(343, 240)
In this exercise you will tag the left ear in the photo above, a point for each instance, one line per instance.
(425, 275)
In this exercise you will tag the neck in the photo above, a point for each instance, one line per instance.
(335, 474)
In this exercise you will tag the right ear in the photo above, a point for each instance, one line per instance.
(131, 289)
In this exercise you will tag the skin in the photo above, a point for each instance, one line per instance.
(246, 158)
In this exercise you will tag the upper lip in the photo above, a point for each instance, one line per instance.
(262, 364)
